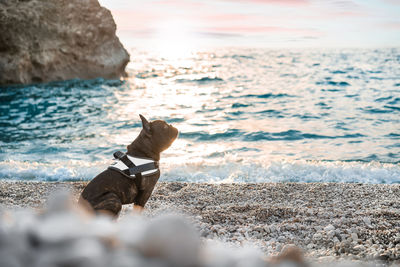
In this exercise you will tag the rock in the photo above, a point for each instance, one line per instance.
(267, 229)
(331, 234)
(328, 228)
(354, 236)
(44, 40)
(359, 248)
(218, 255)
(367, 221)
(172, 239)
(292, 254)
(281, 239)
(317, 236)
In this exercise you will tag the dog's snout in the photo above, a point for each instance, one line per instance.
(174, 130)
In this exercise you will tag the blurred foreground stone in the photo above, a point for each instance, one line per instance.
(45, 40)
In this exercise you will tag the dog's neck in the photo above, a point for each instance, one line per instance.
(142, 148)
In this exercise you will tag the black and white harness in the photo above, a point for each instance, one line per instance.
(133, 167)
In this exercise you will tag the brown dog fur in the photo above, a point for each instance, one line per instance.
(109, 190)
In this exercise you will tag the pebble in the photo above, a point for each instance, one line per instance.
(331, 234)
(354, 237)
(329, 228)
(317, 236)
(367, 221)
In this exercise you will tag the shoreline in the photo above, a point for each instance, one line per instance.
(328, 221)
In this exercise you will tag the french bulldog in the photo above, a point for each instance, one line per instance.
(111, 189)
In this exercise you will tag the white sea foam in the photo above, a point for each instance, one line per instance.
(56, 171)
(287, 171)
(219, 172)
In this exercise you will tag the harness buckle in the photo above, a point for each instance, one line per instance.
(118, 154)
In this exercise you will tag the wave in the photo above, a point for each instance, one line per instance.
(394, 101)
(286, 171)
(393, 135)
(289, 135)
(204, 136)
(240, 105)
(392, 107)
(225, 171)
(338, 72)
(380, 111)
(201, 80)
(268, 95)
(56, 171)
(292, 135)
(333, 83)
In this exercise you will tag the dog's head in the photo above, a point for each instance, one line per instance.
(156, 136)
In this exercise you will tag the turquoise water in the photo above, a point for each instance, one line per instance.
(245, 115)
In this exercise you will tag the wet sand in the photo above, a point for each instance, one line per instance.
(329, 221)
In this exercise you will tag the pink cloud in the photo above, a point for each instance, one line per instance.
(348, 14)
(394, 25)
(347, 4)
(180, 3)
(279, 2)
(263, 29)
(136, 21)
(227, 17)
(393, 2)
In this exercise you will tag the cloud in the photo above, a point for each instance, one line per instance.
(218, 35)
(262, 29)
(227, 17)
(275, 2)
(336, 21)
(139, 21)
(392, 25)
(346, 4)
(393, 2)
(180, 3)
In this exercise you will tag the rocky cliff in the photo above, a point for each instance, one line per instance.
(50, 40)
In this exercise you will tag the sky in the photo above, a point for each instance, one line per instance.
(257, 23)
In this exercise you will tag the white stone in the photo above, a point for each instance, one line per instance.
(172, 239)
(331, 234)
(367, 221)
(329, 227)
(359, 248)
(317, 236)
(354, 236)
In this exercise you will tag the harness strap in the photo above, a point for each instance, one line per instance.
(124, 158)
(132, 168)
(142, 168)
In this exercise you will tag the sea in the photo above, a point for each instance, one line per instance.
(244, 115)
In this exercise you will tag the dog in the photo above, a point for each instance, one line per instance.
(114, 187)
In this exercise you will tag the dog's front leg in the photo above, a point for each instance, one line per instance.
(143, 196)
(137, 209)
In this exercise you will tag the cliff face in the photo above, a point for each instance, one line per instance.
(50, 40)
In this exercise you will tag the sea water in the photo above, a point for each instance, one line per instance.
(244, 115)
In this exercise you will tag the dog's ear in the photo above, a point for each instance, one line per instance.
(145, 124)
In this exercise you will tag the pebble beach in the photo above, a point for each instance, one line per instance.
(329, 222)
